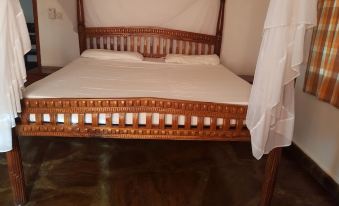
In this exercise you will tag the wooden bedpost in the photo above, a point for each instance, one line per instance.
(15, 171)
(271, 173)
(81, 25)
(220, 27)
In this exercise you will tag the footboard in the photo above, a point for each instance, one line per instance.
(133, 118)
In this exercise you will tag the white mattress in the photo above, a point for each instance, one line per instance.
(92, 78)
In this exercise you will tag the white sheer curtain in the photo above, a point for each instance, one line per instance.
(189, 15)
(14, 43)
(270, 115)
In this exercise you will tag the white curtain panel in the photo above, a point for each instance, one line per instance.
(271, 115)
(14, 43)
(199, 16)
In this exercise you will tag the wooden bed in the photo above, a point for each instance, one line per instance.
(150, 42)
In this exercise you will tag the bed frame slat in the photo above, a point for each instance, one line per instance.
(105, 43)
(125, 42)
(53, 118)
(132, 43)
(122, 119)
(175, 121)
(188, 122)
(108, 119)
(97, 41)
(135, 120)
(200, 123)
(81, 120)
(159, 44)
(164, 46)
(95, 119)
(38, 119)
(240, 125)
(177, 47)
(183, 44)
(209, 49)
(92, 43)
(162, 121)
(111, 39)
(226, 124)
(67, 120)
(149, 120)
(190, 51)
(203, 49)
(171, 46)
(213, 124)
(139, 44)
(145, 46)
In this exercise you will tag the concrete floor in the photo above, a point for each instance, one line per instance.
(153, 173)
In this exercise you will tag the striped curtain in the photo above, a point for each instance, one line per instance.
(322, 76)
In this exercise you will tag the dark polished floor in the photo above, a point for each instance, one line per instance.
(148, 173)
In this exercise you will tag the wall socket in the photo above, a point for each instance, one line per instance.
(52, 13)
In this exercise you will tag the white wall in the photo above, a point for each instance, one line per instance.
(242, 33)
(317, 130)
(58, 38)
(27, 7)
(244, 22)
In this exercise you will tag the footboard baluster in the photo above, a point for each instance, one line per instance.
(149, 120)
(122, 120)
(188, 122)
(162, 121)
(175, 122)
(109, 120)
(213, 126)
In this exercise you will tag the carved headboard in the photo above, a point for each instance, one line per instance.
(149, 41)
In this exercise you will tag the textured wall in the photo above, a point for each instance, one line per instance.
(58, 37)
(244, 22)
(242, 33)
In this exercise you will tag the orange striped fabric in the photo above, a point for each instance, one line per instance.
(322, 77)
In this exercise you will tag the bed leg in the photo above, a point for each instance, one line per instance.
(271, 172)
(16, 174)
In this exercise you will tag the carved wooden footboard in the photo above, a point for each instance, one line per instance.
(133, 118)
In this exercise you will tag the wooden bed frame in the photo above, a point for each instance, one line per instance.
(151, 42)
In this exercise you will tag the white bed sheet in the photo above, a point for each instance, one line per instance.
(92, 78)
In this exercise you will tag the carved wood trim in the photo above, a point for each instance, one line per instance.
(150, 31)
(123, 106)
